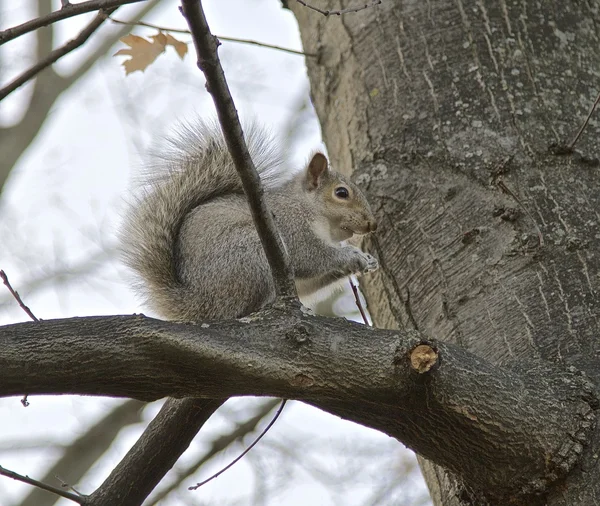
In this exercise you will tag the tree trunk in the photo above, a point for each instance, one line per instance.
(454, 117)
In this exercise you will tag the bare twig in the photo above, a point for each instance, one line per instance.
(54, 56)
(155, 452)
(585, 123)
(16, 296)
(43, 486)
(67, 11)
(47, 87)
(220, 37)
(208, 61)
(216, 446)
(85, 451)
(64, 484)
(358, 302)
(64, 273)
(341, 11)
(22, 305)
(260, 436)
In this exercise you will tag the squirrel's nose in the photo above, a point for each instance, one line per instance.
(372, 226)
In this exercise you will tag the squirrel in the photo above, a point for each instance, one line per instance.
(190, 238)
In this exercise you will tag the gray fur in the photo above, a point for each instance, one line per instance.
(191, 239)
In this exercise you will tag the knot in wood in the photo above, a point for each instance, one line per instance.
(302, 380)
(299, 333)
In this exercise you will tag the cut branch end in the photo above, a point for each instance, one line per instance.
(422, 358)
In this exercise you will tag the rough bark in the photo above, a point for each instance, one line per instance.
(447, 404)
(445, 111)
(155, 452)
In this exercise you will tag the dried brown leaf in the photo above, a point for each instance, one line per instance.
(180, 47)
(142, 51)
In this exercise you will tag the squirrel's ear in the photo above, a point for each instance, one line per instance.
(315, 170)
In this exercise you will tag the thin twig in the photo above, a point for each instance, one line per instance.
(67, 11)
(16, 296)
(64, 484)
(54, 55)
(260, 436)
(22, 305)
(43, 486)
(220, 37)
(65, 273)
(208, 61)
(358, 302)
(341, 11)
(585, 123)
(217, 446)
(84, 452)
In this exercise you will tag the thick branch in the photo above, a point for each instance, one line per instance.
(218, 445)
(460, 411)
(208, 61)
(154, 454)
(64, 13)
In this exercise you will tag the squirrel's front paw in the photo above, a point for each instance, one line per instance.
(371, 263)
(362, 262)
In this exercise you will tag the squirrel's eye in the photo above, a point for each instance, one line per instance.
(341, 192)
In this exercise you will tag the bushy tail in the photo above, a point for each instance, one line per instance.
(192, 168)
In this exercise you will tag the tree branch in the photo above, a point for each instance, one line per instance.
(103, 48)
(44, 38)
(348, 10)
(15, 295)
(458, 411)
(48, 86)
(61, 275)
(81, 455)
(217, 446)
(181, 420)
(55, 55)
(168, 435)
(220, 37)
(245, 452)
(208, 61)
(26, 479)
(64, 13)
